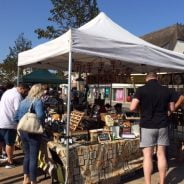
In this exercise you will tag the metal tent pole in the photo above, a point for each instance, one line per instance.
(111, 94)
(68, 112)
(18, 75)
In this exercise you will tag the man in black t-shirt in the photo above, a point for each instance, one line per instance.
(154, 101)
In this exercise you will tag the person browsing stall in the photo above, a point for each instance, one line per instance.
(9, 103)
(154, 101)
(31, 142)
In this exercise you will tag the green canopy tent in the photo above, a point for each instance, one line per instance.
(42, 76)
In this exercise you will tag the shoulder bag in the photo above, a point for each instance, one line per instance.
(30, 122)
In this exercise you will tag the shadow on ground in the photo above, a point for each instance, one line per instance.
(136, 175)
(12, 179)
(176, 175)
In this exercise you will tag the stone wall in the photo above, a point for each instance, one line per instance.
(100, 163)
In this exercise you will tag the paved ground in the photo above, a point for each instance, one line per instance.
(175, 175)
(15, 176)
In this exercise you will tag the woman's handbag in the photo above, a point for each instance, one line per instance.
(30, 123)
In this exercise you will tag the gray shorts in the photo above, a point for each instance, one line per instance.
(152, 137)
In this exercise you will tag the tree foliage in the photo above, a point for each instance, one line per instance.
(68, 14)
(8, 69)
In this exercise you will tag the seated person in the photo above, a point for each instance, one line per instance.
(129, 98)
(179, 99)
(108, 107)
(54, 102)
(118, 108)
(102, 109)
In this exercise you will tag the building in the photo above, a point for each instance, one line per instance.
(171, 38)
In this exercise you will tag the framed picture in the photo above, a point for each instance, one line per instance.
(104, 137)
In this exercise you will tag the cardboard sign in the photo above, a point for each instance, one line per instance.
(103, 137)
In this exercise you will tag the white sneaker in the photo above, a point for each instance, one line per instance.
(3, 156)
(10, 166)
(3, 160)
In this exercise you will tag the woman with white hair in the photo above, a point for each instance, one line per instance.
(31, 142)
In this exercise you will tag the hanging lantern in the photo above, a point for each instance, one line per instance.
(89, 67)
(128, 71)
(101, 66)
(143, 68)
(113, 65)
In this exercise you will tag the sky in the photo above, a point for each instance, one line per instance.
(137, 16)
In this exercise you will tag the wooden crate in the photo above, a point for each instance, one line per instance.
(75, 120)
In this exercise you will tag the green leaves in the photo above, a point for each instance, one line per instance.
(68, 14)
(8, 69)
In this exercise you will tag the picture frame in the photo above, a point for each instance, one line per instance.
(104, 137)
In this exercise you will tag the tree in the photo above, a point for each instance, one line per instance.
(8, 69)
(68, 14)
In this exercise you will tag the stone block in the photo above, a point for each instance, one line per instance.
(77, 178)
(93, 155)
(105, 164)
(107, 174)
(114, 155)
(91, 148)
(105, 156)
(99, 163)
(93, 162)
(80, 151)
(102, 174)
(87, 162)
(81, 160)
(114, 151)
(86, 155)
(76, 171)
(110, 154)
(95, 177)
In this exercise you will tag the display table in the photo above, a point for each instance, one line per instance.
(90, 164)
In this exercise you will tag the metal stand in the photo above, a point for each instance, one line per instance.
(18, 75)
(68, 111)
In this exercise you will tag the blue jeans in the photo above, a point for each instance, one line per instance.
(31, 146)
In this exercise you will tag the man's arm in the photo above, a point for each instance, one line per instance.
(179, 102)
(16, 102)
(171, 107)
(134, 104)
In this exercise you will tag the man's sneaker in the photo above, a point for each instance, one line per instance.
(10, 165)
(3, 160)
(3, 156)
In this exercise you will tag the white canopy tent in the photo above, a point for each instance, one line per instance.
(100, 42)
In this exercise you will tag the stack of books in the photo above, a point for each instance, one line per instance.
(128, 136)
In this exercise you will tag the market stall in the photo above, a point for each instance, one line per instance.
(100, 46)
(42, 76)
(100, 162)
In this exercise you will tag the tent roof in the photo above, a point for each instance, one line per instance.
(102, 44)
(42, 76)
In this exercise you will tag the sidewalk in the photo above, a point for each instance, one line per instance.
(15, 175)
